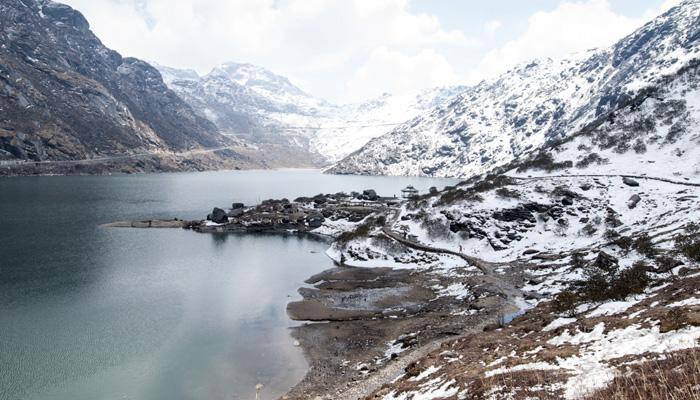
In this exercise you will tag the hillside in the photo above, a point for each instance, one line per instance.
(65, 96)
(536, 104)
(259, 106)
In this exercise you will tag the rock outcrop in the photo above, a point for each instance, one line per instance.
(65, 96)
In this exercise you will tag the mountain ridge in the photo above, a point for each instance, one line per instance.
(500, 120)
(257, 105)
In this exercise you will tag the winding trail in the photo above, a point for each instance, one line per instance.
(652, 178)
(490, 276)
(395, 368)
(486, 267)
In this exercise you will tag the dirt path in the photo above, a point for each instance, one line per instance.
(397, 367)
(652, 178)
(486, 267)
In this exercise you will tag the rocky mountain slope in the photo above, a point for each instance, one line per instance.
(584, 257)
(65, 96)
(537, 282)
(252, 103)
(537, 104)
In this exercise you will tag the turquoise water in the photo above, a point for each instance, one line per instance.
(96, 313)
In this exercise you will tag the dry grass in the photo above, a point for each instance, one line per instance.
(521, 385)
(677, 377)
(468, 360)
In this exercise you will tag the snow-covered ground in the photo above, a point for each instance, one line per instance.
(247, 100)
(539, 102)
(580, 225)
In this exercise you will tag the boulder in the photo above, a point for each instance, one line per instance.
(370, 194)
(629, 181)
(566, 192)
(514, 214)
(235, 212)
(236, 206)
(605, 261)
(537, 207)
(586, 187)
(567, 201)
(219, 216)
(320, 199)
(633, 201)
(315, 220)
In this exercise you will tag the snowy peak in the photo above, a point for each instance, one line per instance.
(256, 77)
(257, 105)
(536, 103)
(171, 75)
(275, 88)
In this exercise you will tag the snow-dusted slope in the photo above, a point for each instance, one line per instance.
(348, 128)
(500, 120)
(255, 104)
(657, 135)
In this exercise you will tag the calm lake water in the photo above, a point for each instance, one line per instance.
(96, 313)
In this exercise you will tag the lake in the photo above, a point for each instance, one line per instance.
(96, 313)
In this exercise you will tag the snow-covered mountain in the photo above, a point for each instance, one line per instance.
(257, 105)
(514, 115)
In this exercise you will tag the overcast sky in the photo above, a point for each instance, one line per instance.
(349, 50)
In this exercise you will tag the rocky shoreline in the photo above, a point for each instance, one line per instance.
(421, 283)
(362, 326)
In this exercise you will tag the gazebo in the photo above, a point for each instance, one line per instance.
(409, 192)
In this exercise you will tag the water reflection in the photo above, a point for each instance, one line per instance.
(95, 313)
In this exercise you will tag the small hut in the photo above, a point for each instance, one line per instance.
(409, 192)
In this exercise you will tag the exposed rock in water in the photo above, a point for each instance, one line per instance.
(219, 216)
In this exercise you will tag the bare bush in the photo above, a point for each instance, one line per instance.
(689, 244)
(675, 377)
(644, 245)
(507, 193)
(436, 228)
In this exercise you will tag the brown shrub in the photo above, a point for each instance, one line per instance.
(689, 244)
(565, 302)
(645, 246)
(676, 377)
(675, 319)
(507, 193)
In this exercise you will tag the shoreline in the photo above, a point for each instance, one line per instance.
(391, 325)
(361, 327)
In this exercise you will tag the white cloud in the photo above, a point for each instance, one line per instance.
(396, 72)
(490, 27)
(345, 48)
(291, 37)
(572, 27)
(665, 6)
